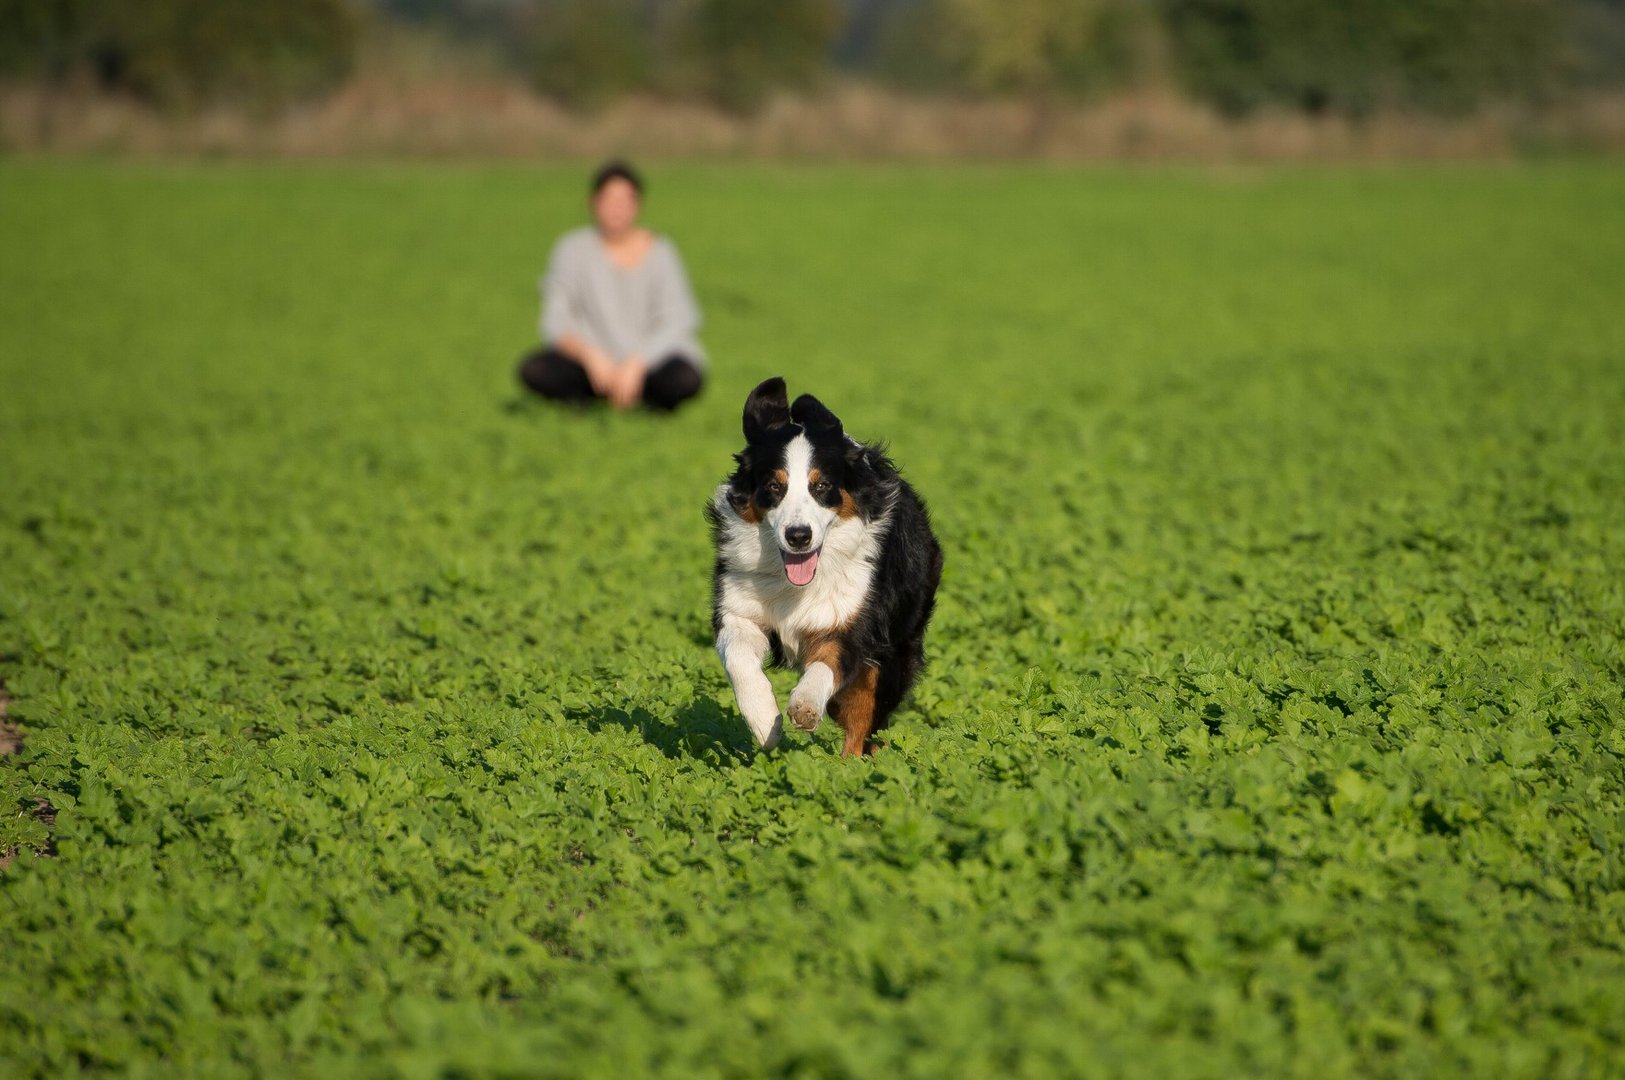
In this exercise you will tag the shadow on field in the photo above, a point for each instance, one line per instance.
(701, 730)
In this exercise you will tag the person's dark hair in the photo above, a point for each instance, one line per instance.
(616, 170)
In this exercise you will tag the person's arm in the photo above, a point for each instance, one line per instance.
(557, 320)
(598, 364)
(677, 315)
(558, 323)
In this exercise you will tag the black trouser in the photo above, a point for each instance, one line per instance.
(551, 374)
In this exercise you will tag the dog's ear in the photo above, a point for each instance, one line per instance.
(766, 408)
(863, 461)
(739, 483)
(810, 413)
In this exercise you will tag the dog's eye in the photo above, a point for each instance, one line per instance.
(821, 488)
(775, 488)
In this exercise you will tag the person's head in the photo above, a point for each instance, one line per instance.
(617, 195)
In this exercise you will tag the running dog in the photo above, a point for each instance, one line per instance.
(825, 560)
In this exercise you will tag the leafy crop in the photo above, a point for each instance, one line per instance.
(1274, 723)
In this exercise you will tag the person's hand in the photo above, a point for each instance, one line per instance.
(602, 372)
(597, 363)
(626, 386)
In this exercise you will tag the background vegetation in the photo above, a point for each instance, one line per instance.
(1444, 56)
(1274, 723)
(182, 54)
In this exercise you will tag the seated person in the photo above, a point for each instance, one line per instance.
(618, 316)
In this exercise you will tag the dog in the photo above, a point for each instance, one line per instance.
(825, 560)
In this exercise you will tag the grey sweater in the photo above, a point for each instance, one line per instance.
(647, 311)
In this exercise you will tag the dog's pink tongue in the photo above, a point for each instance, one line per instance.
(800, 568)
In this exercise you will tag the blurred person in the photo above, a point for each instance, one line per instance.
(618, 317)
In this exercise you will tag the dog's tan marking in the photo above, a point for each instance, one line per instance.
(752, 514)
(819, 647)
(854, 709)
(823, 648)
(846, 508)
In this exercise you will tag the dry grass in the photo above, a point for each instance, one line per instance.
(489, 116)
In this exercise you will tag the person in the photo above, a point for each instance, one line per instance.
(618, 318)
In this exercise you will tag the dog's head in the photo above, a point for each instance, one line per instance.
(800, 475)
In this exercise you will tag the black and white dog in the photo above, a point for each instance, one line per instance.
(825, 560)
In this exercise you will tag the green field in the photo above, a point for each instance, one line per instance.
(1275, 722)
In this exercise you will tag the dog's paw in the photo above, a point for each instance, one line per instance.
(805, 713)
(769, 733)
(774, 737)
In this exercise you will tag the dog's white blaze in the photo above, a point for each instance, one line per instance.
(743, 646)
(798, 507)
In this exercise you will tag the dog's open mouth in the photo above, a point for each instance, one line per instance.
(800, 568)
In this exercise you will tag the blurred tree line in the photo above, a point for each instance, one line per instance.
(184, 53)
(1344, 56)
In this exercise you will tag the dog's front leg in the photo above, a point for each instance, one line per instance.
(743, 648)
(811, 696)
(819, 680)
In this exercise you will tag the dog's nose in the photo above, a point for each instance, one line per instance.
(799, 537)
